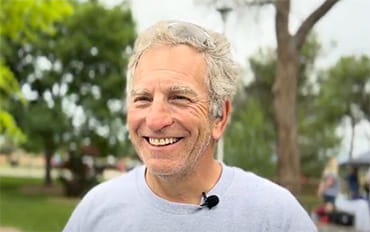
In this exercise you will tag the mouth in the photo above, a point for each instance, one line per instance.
(160, 142)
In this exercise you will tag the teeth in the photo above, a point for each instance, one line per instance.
(163, 141)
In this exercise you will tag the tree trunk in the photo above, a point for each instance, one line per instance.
(284, 91)
(48, 154)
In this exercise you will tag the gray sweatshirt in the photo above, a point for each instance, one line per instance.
(246, 203)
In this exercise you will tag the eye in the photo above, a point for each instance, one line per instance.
(142, 99)
(180, 98)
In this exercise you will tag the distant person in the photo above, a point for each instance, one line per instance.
(353, 183)
(180, 84)
(367, 184)
(329, 186)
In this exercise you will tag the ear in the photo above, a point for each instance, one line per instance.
(220, 123)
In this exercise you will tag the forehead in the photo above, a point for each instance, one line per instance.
(176, 63)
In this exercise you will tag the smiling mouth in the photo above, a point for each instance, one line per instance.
(161, 141)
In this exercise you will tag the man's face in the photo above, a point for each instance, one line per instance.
(168, 110)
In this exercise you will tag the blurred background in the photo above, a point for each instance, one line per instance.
(62, 82)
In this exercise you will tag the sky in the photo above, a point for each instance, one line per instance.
(345, 30)
(251, 29)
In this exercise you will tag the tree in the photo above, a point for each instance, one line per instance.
(9, 88)
(285, 89)
(250, 138)
(77, 77)
(21, 21)
(344, 88)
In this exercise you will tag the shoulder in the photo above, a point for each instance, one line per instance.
(116, 188)
(104, 200)
(259, 185)
(258, 191)
(280, 208)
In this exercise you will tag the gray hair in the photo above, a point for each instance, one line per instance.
(222, 71)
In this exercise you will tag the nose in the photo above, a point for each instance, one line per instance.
(159, 116)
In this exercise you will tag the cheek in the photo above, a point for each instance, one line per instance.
(133, 120)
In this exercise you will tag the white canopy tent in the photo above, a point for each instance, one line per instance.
(362, 159)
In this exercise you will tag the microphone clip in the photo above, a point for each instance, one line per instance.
(210, 201)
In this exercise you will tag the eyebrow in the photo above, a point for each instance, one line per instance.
(136, 92)
(183, 90)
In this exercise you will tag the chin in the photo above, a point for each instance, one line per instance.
(164, 170)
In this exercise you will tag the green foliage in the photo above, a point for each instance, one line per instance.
(77, 76)
(8, 84)
(74, 77)
(26, 206)
(8, 127)
(252, 135)
(248, 140)
(21, 21)
(345, 88)
(9, 88)
(95, 56)
(317, 137)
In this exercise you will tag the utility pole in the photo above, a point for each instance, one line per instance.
(224, 10)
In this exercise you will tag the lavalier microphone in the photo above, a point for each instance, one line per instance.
(210, 201)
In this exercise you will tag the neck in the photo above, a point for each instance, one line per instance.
(189, 188)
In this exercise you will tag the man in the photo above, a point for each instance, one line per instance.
(180, 84)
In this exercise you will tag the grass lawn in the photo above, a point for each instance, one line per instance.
(309, 202)
(27, 205)
(308, 197)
